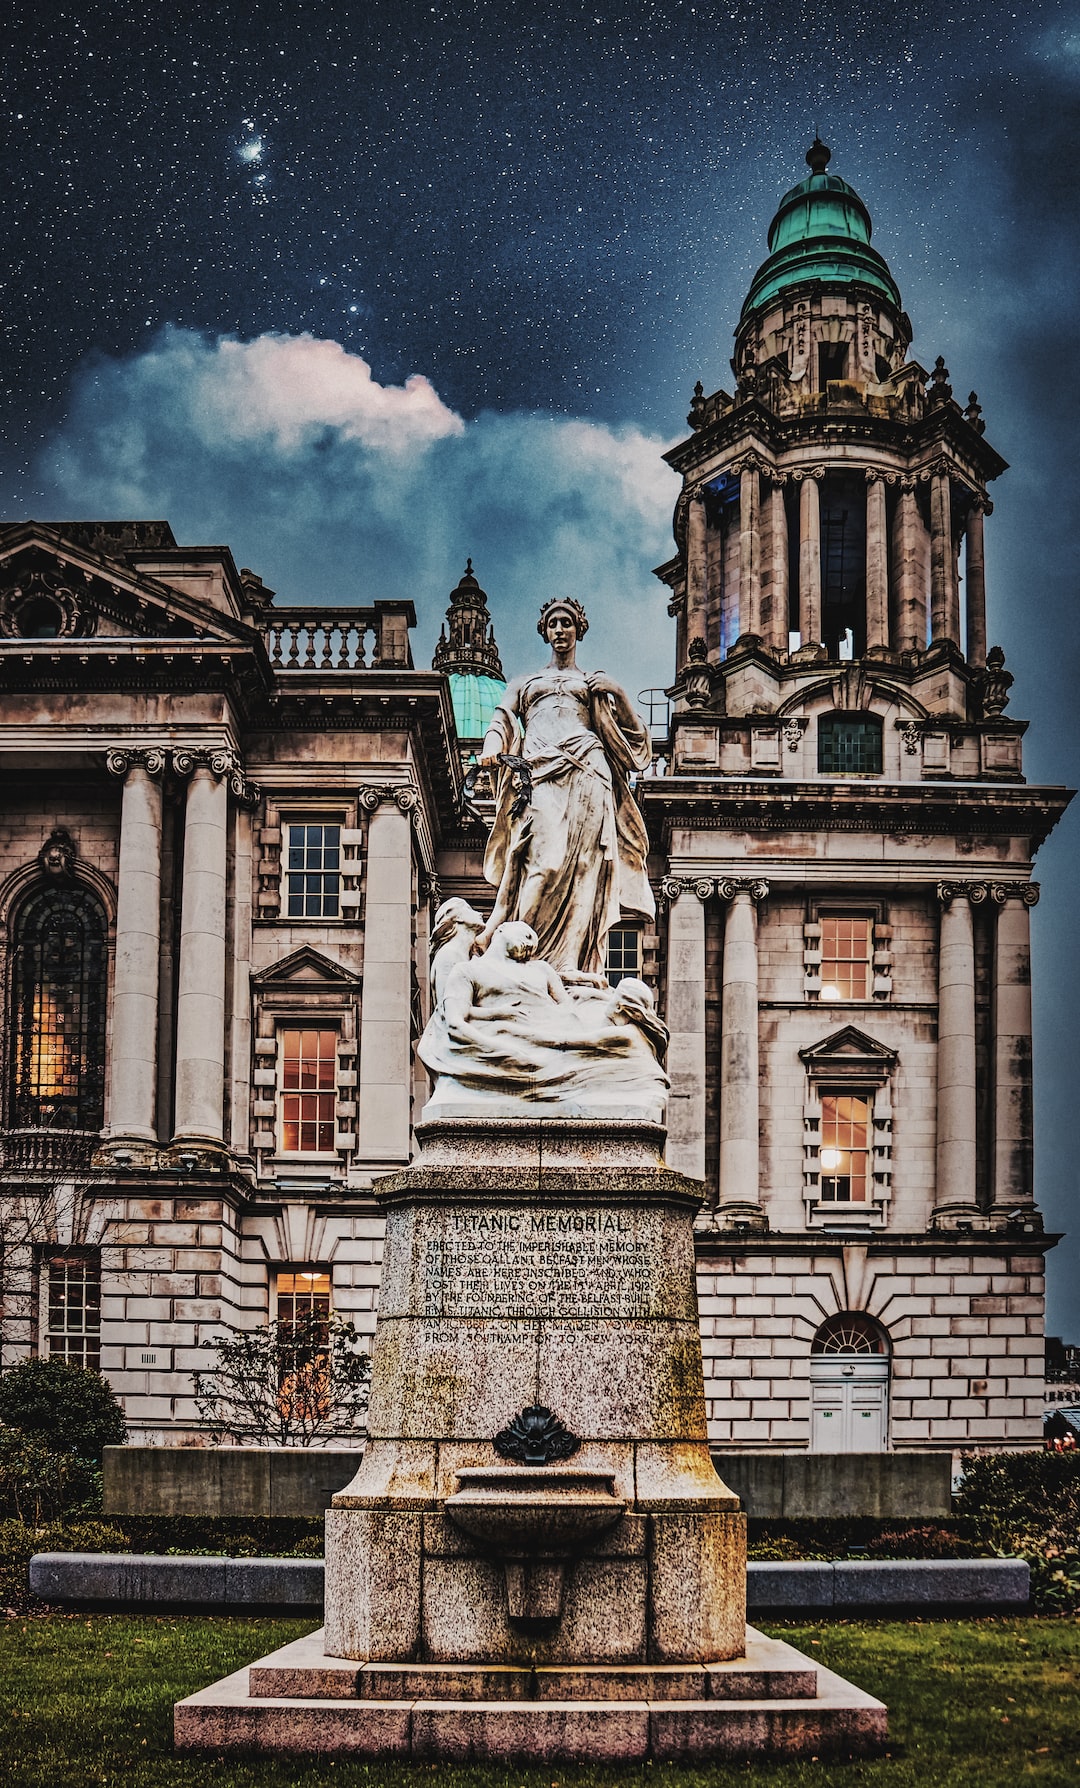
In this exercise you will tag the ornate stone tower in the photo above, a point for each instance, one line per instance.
(848, 840)
(468, 653)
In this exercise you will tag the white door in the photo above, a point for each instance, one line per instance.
(849, 1403)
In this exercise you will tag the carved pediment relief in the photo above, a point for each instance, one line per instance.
(304, 968)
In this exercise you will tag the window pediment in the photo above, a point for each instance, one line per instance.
(848, 1053)
(304, 968)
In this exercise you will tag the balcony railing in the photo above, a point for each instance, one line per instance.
(340, 639)
(48, 1151)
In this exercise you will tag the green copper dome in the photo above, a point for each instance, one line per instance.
(475, 700)
(821, 232)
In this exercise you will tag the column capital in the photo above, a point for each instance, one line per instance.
(372, 795)
(673, 885)
(223, 764)
(730, 886)
(975, 892)
(802, 472)
(1028, 892)
(120, 758)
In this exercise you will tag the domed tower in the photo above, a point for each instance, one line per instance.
(832, 508)
(468, 653)
(845, 841)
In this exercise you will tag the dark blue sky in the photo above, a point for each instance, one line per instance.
(547, 217)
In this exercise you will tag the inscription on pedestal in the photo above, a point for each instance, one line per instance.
(539, 1264)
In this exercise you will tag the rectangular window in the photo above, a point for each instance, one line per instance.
(312, 870)
(849, 746)
(300, 1295)
(623, 954)
(846, 956)
(308, 1092)
(73, 1310)
(845, 1148)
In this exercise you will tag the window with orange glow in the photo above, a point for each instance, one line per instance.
(845, 1148)
(846, 956)
(308, 1091)
(59, 988)
(302, 1294)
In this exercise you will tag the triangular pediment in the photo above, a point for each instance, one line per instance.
(848, 1045)
(305, 967)
(96, 585)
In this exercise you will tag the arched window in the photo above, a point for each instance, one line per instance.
(59, 971)
(849, 745)
(850, 1332)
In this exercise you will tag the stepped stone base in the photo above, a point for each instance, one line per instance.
(771, 1701)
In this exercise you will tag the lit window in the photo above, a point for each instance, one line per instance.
(300, 1295)
(313, 871)
(308, 1092)
(846, 957)
(623, 954)
(73, 1317)
(59, 981)
(845, 1148)
(849, 745)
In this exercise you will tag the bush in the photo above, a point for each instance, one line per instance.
(63, 1407)
(19, 1540)
(37, 1484)
(296, 1383)
(920, 1542)
(1008, 1498)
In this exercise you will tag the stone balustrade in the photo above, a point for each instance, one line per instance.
(340, 639)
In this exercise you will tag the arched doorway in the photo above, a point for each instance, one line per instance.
(849, 1386)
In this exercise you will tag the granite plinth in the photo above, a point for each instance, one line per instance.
(772, 1700)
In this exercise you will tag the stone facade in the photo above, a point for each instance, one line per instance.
(226, 825)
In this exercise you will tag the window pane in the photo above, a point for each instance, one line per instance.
(623, 953)
(846, 953)
(845, 1148)
(73, 1301)
(313, 879)
(59, 980)
(308, 1091)
(849, 745)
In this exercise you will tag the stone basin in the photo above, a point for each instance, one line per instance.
(537, 1512)
(534, 1519)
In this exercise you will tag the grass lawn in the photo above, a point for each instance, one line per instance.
(87, 1701)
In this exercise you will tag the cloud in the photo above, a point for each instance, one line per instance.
(336, 488)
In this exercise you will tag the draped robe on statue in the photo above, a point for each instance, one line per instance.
(575, 860)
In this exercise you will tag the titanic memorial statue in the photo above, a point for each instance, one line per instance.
(536, 1557)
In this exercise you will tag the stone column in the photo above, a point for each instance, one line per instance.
(685, 1016)
(200, 1005)
(809, 562)
(1013, 1130)
(975, 566)
(944, 598)
(749, 570)
(697, 594)
(956, 1126)
(775, 624)
(909, 556)
(877, 565)
(739, 1064)
(386, 998)
(134, 1033)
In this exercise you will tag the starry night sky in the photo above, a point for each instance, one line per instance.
(362, 290)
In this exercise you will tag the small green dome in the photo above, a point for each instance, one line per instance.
(475, 700)
(821, 232)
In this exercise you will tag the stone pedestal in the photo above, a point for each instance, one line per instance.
(537, 1263)
(536, 1558)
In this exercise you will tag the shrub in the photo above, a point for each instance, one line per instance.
(1010, 1497)
(20, 1540)
(919, 1542)
(37, 1484)
(65, 1408)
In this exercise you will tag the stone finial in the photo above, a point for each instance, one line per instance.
(939, 390)
(818, 156)
(696, 416)
(973, 414)
(995, 684)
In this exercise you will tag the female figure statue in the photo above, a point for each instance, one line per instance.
(573, 859)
